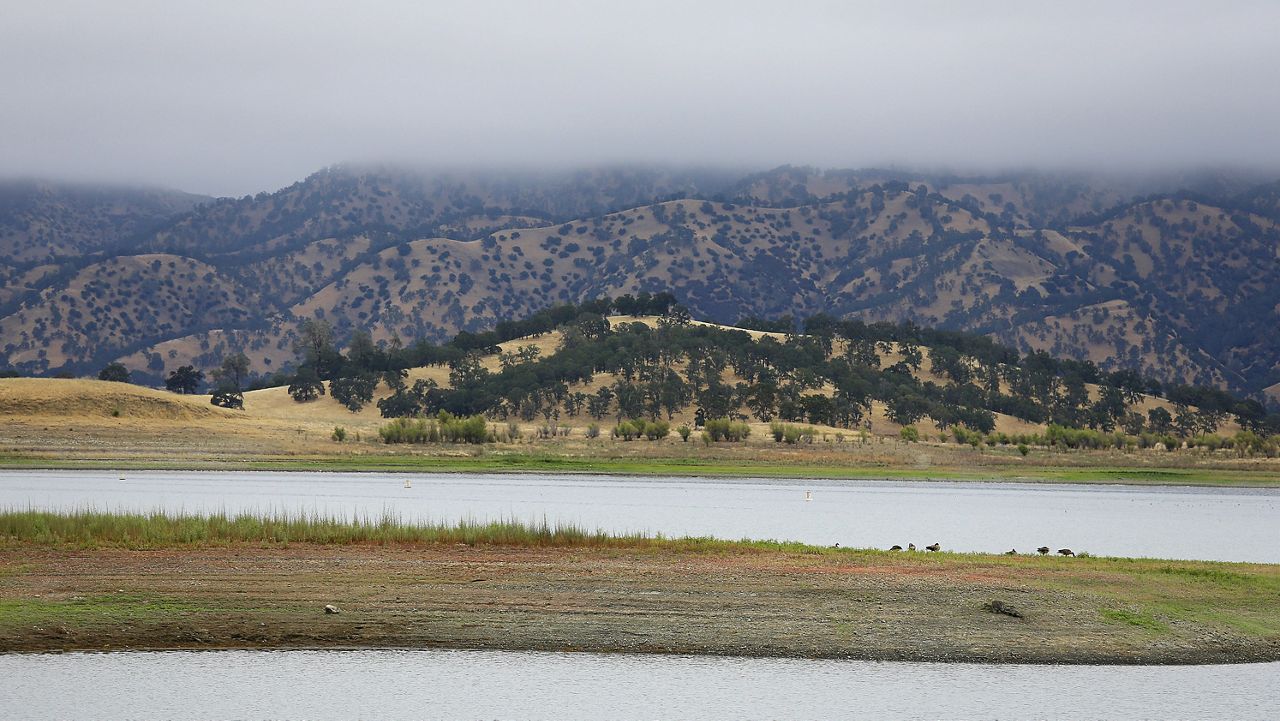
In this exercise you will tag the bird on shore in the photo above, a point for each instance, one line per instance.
(911, 546)
(935, 546)
(896, 547)
(1065, 552)
(1043, 550)
(837, 545)
(1011, 552)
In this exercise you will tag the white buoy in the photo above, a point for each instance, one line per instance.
(808, 495)
(407, 483)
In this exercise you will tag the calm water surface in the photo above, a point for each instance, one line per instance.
(1167, 522)
(519, 685)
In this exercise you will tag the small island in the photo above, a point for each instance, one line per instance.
(95, 581)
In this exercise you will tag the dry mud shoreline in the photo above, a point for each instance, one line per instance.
(751, 602)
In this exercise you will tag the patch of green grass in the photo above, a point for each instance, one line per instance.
(92, 529)
(1134, 618)
(1248, 613)
(1208, 575)
(1247, 623)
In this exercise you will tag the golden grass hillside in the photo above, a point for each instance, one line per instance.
(80, 398)
(57, 422)
(90, 399)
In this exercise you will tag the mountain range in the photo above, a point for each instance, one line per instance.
(1176, 276)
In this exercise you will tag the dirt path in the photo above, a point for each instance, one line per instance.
(738, 603)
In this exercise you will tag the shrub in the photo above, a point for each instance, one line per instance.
(964, 436)
(910, 434)
(628, 430)
(339, 434)
(593, 430)
(633, 429)
(657, 430)
(792, 434)
(1210, 442)
(1083, 438)
(723, 429)
(456, 429)
(1151, 440)
(777, 429)
(1023, 449)
(446, 427)
(406, 430)
(684, 432)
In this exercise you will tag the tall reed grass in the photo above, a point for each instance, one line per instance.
(91, 528)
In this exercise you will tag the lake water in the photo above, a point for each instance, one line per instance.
(1223, 524)
(1168, 522)
(503, 685)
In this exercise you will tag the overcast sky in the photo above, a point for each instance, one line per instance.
(229, 97)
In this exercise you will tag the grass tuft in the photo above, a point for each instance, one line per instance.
(88, 528)
(92, 529)
(1134, 618)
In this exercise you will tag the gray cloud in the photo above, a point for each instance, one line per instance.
(235, 97)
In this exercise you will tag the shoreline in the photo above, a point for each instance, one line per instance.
(675, 597)
(392, 464)
(1192, 659)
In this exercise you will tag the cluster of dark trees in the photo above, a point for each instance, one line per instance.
(830, 374)
(230, 380)
(354, 377)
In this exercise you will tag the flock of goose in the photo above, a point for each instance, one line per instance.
(1043, 550)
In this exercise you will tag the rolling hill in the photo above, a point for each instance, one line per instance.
(42, 222)
(1178, 278)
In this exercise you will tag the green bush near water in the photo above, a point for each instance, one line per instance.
(723, 429)
(652, 430)
(444, 428)
(787, 433)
